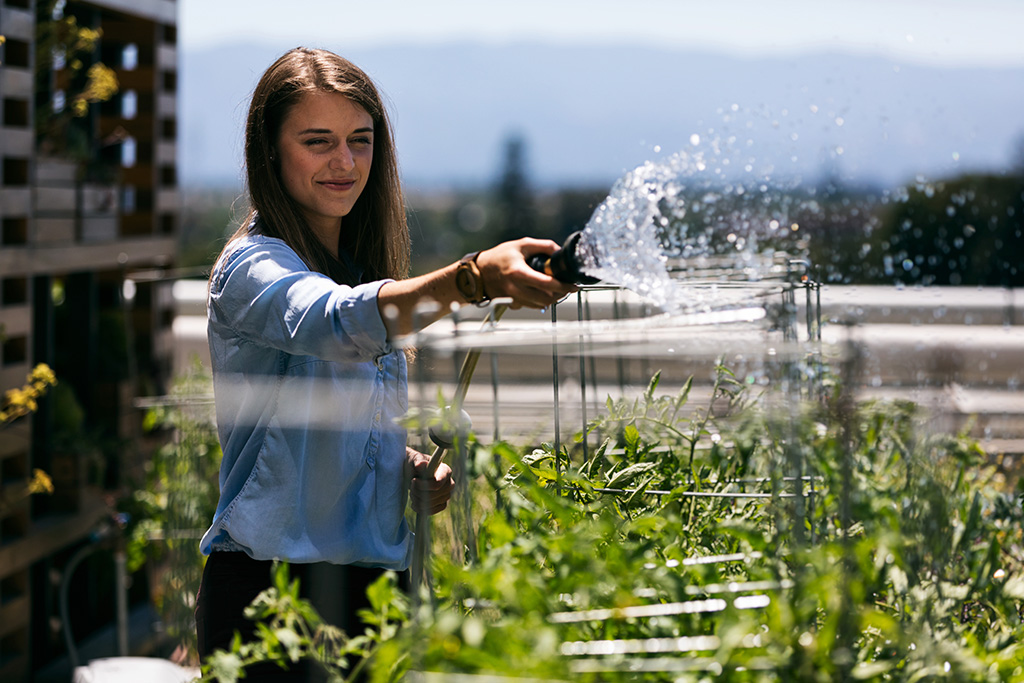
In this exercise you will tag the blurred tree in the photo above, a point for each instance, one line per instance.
(839, 227)
(1017, 160)
(208, 217)
(516, 214)
(966, 231)
(573, 209)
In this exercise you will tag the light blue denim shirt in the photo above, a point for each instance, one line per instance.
(307, 390)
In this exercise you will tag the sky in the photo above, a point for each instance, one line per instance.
(966, 32)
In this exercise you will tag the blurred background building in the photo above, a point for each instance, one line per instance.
(88, 196)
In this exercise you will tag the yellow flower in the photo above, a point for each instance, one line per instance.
(102, 85)
(21, 401)
(42, 376)
(40, 483)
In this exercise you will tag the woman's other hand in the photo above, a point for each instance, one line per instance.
(429, 494)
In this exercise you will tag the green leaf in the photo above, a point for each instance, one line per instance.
(623, 477)
(631, 437)
(867, 670)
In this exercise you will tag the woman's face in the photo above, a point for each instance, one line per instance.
(325, 148)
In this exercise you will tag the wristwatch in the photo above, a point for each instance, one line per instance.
(468, 280)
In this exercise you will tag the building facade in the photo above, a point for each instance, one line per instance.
(89, 210)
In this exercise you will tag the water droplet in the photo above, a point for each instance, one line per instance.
(840, 121)
(907, 264)
(657, 149)
(694, 139)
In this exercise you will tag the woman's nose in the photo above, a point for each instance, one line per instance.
(343, 160)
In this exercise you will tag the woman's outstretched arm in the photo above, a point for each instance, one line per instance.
(504, 272)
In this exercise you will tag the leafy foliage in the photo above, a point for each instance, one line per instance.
(743, 540)
(170, 509)
(16, 403)
(65, 63)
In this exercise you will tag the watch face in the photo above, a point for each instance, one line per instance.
(466, 283)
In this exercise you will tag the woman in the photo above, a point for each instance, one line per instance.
(304, 301)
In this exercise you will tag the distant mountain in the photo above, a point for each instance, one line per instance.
(587, 114)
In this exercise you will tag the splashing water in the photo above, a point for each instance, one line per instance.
(683, 213)
(620, 242)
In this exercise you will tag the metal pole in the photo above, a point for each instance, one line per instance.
(421, 540)
(583, 373)
(554, 387)
(121, 596)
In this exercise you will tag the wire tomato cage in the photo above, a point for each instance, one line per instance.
(558, 380)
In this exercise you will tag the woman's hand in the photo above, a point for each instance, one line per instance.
(429, 494)
(506, 273)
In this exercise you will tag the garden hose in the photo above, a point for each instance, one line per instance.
(469, 363)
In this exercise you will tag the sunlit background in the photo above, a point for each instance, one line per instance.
(874, 148)
(556, 100)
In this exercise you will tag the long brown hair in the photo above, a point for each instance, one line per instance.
(374, 232)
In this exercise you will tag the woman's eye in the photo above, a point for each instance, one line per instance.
(363, 141)
(315, 141)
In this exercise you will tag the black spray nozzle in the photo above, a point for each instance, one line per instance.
(564, 264)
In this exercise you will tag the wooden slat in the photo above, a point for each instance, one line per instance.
(14, 614)
(139, 253)
(45, 538)
(14, 669)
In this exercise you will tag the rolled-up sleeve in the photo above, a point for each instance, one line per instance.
(264, 293)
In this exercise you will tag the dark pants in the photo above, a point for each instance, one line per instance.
(232, 580)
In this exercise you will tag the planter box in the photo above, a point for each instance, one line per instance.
(51, 201)
(16, 82)
(99, 229)
(54, 171)
(54, 231)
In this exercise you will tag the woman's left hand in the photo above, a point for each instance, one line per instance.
(429, 494)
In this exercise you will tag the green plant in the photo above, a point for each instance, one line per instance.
(290, 630)
(171, 507)
(21, 401)
(65, 63)
(900, 561)
(15, 404)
